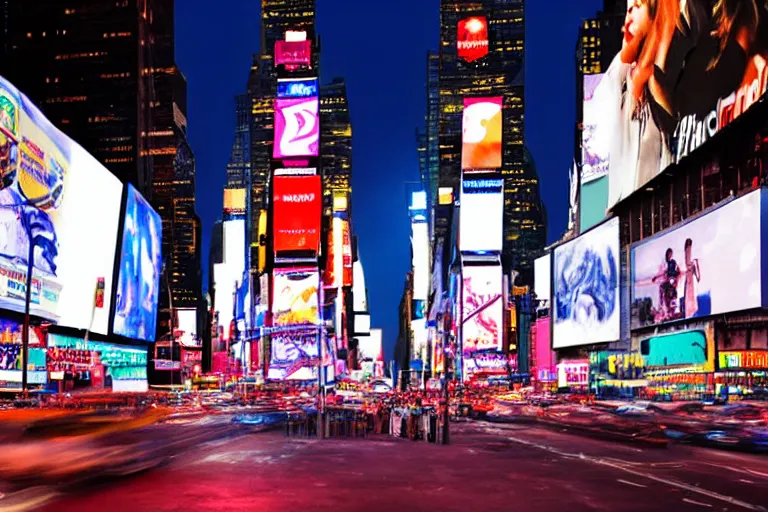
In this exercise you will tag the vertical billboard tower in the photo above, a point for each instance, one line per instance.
(296, 211)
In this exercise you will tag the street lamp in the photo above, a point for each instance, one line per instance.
(28, 292)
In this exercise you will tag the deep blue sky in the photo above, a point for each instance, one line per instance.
(382, 55)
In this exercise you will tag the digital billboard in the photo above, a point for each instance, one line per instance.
(293, 54)
(138, 279)
(297, 212)
(542, 273)
(494, 363)
(481, 217)
(58, 197)
(234, 200)
(671, 89)
(338, 270)
(292, 351)
(297, 127)
(298, 88)
(481, 139)
(359, 292)
(586, 288)
(370, 347)
(420, 259)
(295, 297)
(472, 38)
(708, 266)
(594, 159)
(482, 309)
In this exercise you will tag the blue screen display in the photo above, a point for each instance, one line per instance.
(140, 267)
(297, 88)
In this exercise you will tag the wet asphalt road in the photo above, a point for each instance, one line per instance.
(486, 468)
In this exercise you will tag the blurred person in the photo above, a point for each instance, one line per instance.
(669, 274)
(692, 271)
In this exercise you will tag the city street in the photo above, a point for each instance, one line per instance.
(487, 467)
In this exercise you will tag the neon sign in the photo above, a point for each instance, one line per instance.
(749, 359)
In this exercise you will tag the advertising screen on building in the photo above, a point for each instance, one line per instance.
(595, 159)
(297, 211)
(370, 346)
(483, 309)
(420, 262)
(234, 200)
(481, 139)
(650, 118)
(295, 299)
(293, 54)
(586, 288)
(487, 365)
(138, 282)
(708, 266)
(542, 273)
(297, 127)
(481, 217)
(690, 345)
(54, 193)
(472, 38)
(292, 351)
(299, 88)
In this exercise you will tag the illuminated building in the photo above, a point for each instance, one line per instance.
(427, 139)
(499, 71)
(114, 87)
(335, 142)
(239, 166)
(94, 81)
(277, 17)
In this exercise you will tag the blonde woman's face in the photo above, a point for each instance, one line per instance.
(636, 25)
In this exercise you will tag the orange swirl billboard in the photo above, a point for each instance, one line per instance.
(481, 138)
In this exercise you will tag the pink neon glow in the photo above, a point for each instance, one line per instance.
(297, 128)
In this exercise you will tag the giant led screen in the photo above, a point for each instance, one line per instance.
(481, 217)
(708, 266)
(593, 193)
(420, 259)
(672, 87)
(472, 38)
(297, 212)
(297, 127)
(57, 197)
(292, 351)
(542, 270)
(295, 299)
(483, 309)
(586, 288)
(138, 279)
(481, 138)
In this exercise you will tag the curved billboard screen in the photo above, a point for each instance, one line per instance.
(56, 196)
(586, 288)
(709, 266)
(672, 87)
(138, 279)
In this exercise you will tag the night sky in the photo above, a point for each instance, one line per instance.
(382, 55)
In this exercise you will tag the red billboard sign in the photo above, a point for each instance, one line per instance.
(293, 54)
(297, 211)
(472, 38)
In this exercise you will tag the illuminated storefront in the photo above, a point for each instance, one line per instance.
(742, 373)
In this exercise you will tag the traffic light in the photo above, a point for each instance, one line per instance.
(100, 292)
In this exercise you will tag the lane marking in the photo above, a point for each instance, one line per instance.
(745, 471)
(672, 483)
(692, 502)
(630, 483)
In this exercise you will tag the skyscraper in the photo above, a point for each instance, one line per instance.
(277, 17)
(95, 81)
(335, 141)
(239, 166)
(500, 72)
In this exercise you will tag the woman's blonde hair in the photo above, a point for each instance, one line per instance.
(665, 18)
(731, 16)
